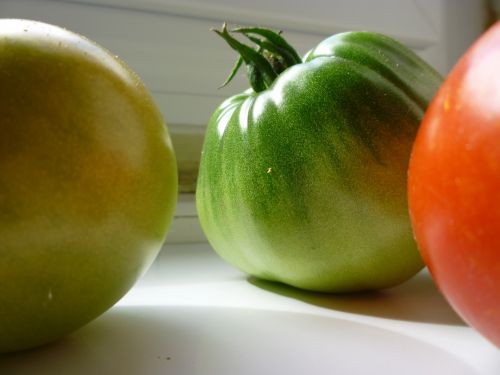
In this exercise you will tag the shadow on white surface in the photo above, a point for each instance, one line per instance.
(220, 341)
(416, 300)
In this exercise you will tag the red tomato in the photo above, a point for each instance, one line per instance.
(454, 186)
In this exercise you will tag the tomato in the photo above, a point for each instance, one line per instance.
(303, 177)
(454, 186)
(88, 182)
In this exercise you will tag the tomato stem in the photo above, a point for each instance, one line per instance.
(264, 63)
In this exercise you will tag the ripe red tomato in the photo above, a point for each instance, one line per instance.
(454, 186)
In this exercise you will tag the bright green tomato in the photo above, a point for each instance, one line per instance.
(88, 182)
(303, 178)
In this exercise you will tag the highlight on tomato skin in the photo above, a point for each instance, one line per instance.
(454, 186)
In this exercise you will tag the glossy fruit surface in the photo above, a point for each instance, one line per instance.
(88, 182)
(454, 186)
(304, 181)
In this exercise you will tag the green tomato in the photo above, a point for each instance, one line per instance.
(88, 182)
(303, 178)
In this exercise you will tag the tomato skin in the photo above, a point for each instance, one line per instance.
(88, 182)
(454, 186)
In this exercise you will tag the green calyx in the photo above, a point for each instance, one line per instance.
(267, 60)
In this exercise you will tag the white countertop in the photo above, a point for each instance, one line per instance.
(193, 314)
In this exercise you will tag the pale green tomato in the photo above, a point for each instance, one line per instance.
(88, 182)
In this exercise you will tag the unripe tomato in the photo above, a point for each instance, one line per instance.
(88, 181)
(303, 178)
